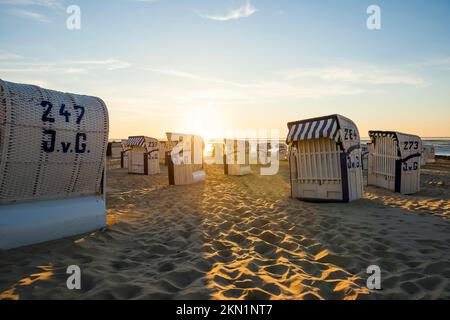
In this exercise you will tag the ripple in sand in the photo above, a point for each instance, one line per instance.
(273, 264)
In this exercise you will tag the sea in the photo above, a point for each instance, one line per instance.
(441, 145)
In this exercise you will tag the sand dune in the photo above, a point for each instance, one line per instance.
(244, 238)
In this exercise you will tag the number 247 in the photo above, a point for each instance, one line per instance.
(62, 112)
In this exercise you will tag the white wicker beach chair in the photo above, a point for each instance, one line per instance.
(185, 163)
(52, 164)
(394, 161)
(325, 159)
(143, 155)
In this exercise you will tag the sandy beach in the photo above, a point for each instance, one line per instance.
(245, 238)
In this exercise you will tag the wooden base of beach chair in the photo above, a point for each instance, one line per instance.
(185, 174)
(317, 191)
(139, 163)
(35, 222)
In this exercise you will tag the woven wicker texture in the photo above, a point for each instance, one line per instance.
(52, 144)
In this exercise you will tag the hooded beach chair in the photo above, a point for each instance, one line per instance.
(52, 163)
(325, 159)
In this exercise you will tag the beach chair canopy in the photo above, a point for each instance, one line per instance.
(334, 127)
(409, 146)
(52, 144)
(149, 144)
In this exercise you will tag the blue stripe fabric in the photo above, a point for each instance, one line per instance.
(292, 132)
(315, 134)
(325, 128)
(300, 131)
(329, 133)
(297, 129)
(305, 135)
(335, 132)
(136, 141)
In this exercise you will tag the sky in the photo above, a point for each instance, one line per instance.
(213, 66)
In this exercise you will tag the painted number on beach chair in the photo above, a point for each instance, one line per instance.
(49, 139)
(81, 115)
(48, 108)
(410, 167)
(353, 164)
(350, 134)
(80, 146)
(49, 144)
(63, 112)
(411, 145)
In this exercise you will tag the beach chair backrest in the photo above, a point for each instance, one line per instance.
(52, 144)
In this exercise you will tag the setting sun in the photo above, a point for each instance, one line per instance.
(205, 122)
(224, 150)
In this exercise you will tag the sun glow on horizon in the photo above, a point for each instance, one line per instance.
(205, 122)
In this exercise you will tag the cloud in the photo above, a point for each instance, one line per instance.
(65, 66)
(109, 64)
(337, 80)
(243, 12)
(18, 5)
(4, 55)
(196, 77)
(30, 15)
(218, 89)
(362, 74)
(443, 63)
(54, 4)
